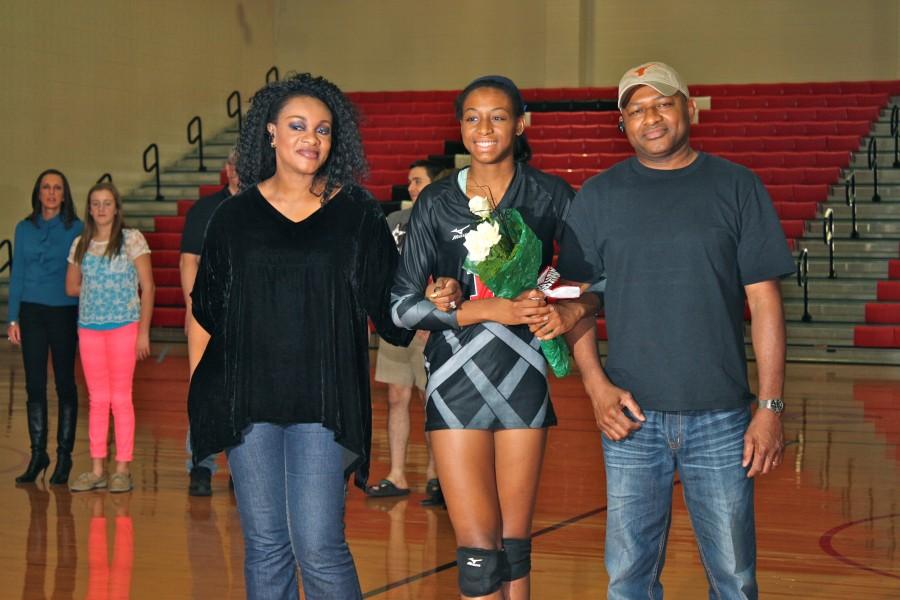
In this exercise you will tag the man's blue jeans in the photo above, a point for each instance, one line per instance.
(289, 484)
(706, 448)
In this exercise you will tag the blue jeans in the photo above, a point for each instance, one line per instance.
(209, 462)
(706, 448)
(289, 484)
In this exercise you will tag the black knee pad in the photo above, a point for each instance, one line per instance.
(480, 571)
(518, 557)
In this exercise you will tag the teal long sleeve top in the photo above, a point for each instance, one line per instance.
(39, 263)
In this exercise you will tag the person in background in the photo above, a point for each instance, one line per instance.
(401, 368)
(290, 270)
(42, 319)
(189, 261)
(110, 271)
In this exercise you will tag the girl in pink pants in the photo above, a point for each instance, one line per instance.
(110, 271)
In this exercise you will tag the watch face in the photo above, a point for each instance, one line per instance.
(777, 404)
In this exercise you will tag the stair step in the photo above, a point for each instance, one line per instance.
(833, 289)
(137, 207)
(847, 311)
(885, 160)
(870, 249)
(865, 209)
(886, 178)
(845, 269)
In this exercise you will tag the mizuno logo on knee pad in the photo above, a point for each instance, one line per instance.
(474, 562)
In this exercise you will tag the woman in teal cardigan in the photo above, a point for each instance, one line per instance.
(42, 319)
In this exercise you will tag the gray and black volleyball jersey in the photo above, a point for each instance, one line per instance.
(487, 375)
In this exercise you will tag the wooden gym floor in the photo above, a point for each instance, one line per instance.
(828, 521)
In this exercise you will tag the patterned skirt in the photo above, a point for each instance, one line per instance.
(487, 376)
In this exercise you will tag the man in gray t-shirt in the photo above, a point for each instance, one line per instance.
(679, 238)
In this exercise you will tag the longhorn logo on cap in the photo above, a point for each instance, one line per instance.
(640, 72)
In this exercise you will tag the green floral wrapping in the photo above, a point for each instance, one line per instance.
(508, 273)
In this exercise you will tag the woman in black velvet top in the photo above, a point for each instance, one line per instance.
(290, 269)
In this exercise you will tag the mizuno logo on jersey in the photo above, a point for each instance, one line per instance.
(459, 232)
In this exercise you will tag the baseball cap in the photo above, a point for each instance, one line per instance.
(660, 76)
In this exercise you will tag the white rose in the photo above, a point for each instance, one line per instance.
(480, 207)
(480, 240)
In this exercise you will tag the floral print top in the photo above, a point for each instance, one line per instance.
(109, 287)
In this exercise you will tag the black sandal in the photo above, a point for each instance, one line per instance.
(386, 489)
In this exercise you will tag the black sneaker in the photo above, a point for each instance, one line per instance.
(201, 484)
(433, 494)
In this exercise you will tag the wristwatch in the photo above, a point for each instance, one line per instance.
(776, 405)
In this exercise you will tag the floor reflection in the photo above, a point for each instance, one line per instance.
(36, 559)
(110, 580)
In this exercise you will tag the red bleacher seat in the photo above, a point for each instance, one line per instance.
(874, 336)
(796, 210)
(165, 258)
(166, 276)
(894, 269)
(168, 224)
(800, 101)
(821, 175)
(601, 329)
(419, 148)
(169, 296)
(381, 192)
(409, 133)
(167, 316)
(750, 115)
(445, 119)
(208, 190)
(888, 291)
(575, 118)
(393, 162)
(163, 241)
(184, 206)
(793, 229)
(883, 312)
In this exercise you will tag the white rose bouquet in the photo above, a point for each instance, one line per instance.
(506, 255)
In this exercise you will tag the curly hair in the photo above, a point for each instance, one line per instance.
(521, 149)
(66, 211)
(346, 163)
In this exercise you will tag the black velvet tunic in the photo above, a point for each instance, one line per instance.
(286, 306)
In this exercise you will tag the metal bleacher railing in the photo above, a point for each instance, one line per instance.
(197, 138)
(154, 167)
(895, 133)
(872, 157)
(803, 282)
(235, 109)
(828, 238)
(850, 199)
(9, 255)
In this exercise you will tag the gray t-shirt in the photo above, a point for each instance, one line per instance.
(676, 249)
(397, 222)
